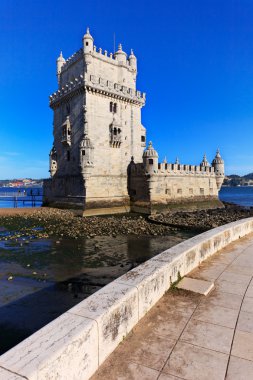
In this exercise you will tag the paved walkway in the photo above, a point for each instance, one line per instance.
(193, 337)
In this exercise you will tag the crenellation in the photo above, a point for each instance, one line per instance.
(72, 59)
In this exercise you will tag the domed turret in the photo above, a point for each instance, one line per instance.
(218, 165)
(87, 42)
(204, 163)
(150, 159)
(59, 63)
(120, 55)
(132, 61)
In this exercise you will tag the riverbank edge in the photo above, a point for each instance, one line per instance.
(76, 343)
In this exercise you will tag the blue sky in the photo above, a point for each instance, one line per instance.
(195, 62)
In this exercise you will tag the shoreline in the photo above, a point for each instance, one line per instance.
(45, 222)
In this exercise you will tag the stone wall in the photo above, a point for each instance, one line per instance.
(75, 344)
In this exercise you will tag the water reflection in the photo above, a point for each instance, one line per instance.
(40, 279)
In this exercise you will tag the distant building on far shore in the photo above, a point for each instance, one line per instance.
(98, 162)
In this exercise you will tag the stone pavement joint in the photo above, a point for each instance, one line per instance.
(196, 286)
(189, 336)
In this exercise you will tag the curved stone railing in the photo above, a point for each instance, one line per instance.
(75, 344)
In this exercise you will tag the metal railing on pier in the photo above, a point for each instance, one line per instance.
(31, 197)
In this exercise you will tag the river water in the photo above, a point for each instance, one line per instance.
(240, 195)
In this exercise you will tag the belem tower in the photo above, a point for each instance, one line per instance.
(99, 162)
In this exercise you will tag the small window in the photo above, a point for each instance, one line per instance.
(83, 152)
(202, 191)
(179, 191)
(150, 161)
(87, 43)
(166, 166)
(115, 108)
(111, 106)
(68, 155)
(143, 139)
(168, 191)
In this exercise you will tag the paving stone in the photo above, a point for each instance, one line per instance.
(125, 371)
(172, 327)
(247, 305)
(228, 300)
(249, 292)
(207, 335)
(147, 349)
(243, 345)
(229, 287)
(239, 369)
(245, 261)
(235, 268)
(196, 363)
(164, 376)
(245, 322)
(235, 279)
(196, 285)
(209, 272)
(216, 314)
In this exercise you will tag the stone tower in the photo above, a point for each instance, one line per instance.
(97, 128)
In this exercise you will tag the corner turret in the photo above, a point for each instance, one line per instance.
(87, 42)
(218, 165)
(150, 159)
(59, 63)
(132, 61)
(120, 55)
(88, 47)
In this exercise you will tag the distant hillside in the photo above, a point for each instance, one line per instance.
(236, 180)
(248, 176)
